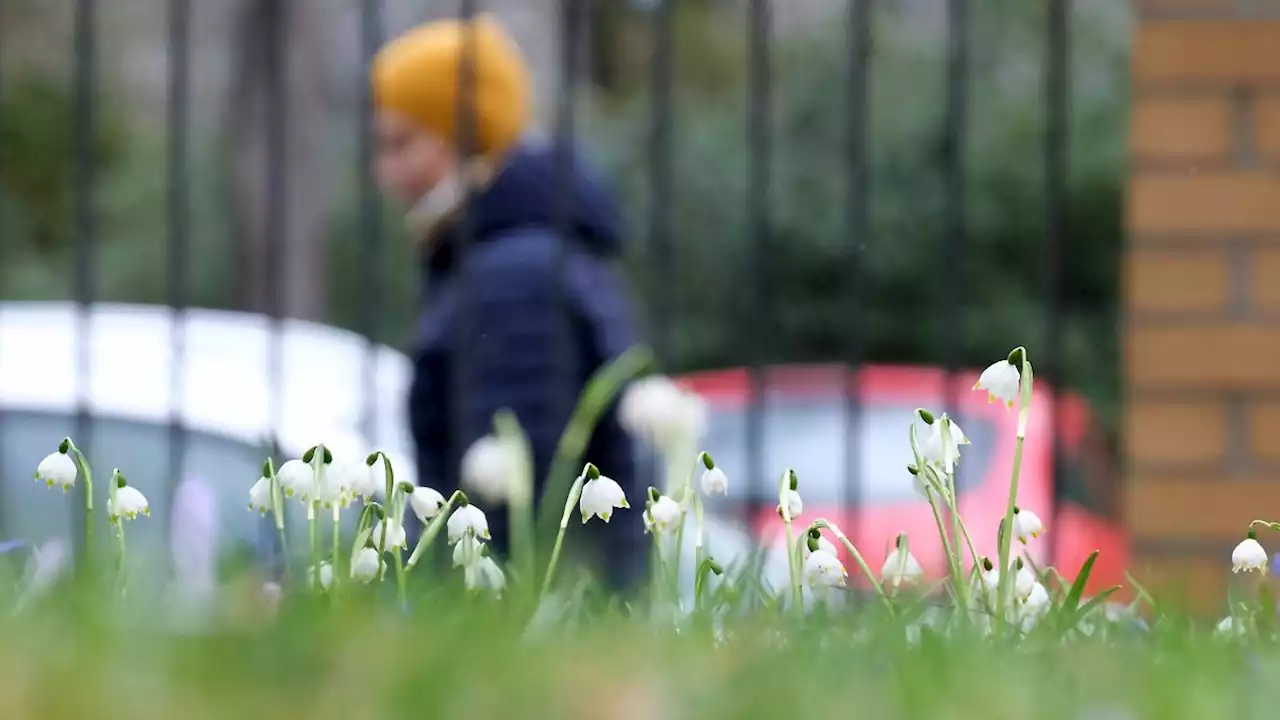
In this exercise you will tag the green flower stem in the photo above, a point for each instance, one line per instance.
(954, 568)
(277, 512)
(1006, 537)
(857, 557)
(122, 574)
(433, 529)
(337, 539)
(575, 492)
(314, 552)
(793, 570)
(87, 472)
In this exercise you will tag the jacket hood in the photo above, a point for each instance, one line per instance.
(530, 192)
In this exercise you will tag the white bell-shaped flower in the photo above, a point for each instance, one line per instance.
(484, 574)
(260, 496)
(365, 565)
(1026, 525)
(57, 470)
(942, 445)
(128, 503)
(466, 551)
(901, 567)
(467, 520)
(1249, 555)
(367, 481)
(715, 482)
(824, 545)
(332, 485)
(1034, 606)
(658, 411)
(325, 574)
(488, 469)
(297, 480)
(663, 516)
(824, 570)
(426, 503)
(395, 535)
(795, 505)
(1002, 382)
(1024, 581)
(600, 496)
(349, 474)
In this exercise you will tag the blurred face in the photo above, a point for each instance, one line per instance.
(411, 160)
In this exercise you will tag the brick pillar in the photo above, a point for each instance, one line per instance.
(1202, 288)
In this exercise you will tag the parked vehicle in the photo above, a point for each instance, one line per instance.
(863, 484)
(229, 406)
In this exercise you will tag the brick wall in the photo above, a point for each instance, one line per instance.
(1203, 288)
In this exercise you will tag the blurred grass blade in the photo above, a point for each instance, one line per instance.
(596, 398)
(1082, 579)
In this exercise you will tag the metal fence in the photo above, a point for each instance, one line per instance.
(853, 101)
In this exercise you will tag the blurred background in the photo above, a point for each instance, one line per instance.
(195, 267)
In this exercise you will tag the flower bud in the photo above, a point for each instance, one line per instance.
(591, 472)
(795, 481)
(406, 487)
(267, 470)
(987, 564)
(715, 567)
(65, 446)
(120, 481)
(654, 494)
(925, 415)
(911, 468)
(373, 458)
(328, 457)
(1017, 356)
(707, 462)
(309, 455)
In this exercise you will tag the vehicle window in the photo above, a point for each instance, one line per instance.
(809, 435)
(140, 450)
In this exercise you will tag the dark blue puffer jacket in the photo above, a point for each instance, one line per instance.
(518, 315)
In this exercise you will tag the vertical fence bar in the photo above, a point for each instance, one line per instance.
(274, 45)
(956, 235)
(859, 189)
(660, 181)
(758, 217)
(467, 143)
(566, 356)
(373, 255)
(178, 236)
(86, 227)
(4, 414)
(1056, 168)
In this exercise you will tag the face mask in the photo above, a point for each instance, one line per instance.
(441, 200)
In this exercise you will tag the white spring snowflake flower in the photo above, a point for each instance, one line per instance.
(824, 545)
(1024, 581)
(484, 574)
(128, 503)
(600, 496)
(1026, 525)
(1249, 555)
(396, 537)
(426, 503)
(57, 469)
(365, 565)
(297, 480)
(325, 574)
(824, 570)
(489, 468)
(663, 516)
(901, 568)
(260, 496)
(466, 551)
(942, 446)
(333, 485)
(658, 411)
(1002, 382)
(795, 505)
(714, 482)
(467, 520)
(1034, 606)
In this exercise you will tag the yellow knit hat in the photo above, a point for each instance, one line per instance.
(418, 75)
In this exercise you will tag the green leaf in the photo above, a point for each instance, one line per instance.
(1072, 600)
(596, 397)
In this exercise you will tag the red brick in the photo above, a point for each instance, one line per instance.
(1225, 52)
(1205, 202)
(1162, 433)
(1200, 507)
(1194, 281)
(1266, 125)
(1192, 129)
(1192, 582)
(1223, 357)
(1264, 431)
(1264, 281)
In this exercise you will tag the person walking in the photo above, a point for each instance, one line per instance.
(522, 295)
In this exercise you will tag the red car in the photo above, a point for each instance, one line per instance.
(805, 421)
